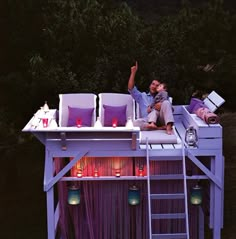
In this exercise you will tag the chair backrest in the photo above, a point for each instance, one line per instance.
(116, 99)
(213, 101)
(137, 111)
(80, 100)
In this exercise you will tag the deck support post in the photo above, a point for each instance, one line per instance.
(200, 223)
(49, 169)
(217, 195)
(50, 213)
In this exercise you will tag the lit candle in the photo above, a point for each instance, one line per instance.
(114, 122)
(78, 122)
(196, 201)
(96, 173)
(79, 173)
(117, 173)
(140, 171)
(45, 122)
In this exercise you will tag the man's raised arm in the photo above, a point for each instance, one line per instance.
(131, 81)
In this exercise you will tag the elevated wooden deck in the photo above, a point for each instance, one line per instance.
(82, 142)
(121, 138)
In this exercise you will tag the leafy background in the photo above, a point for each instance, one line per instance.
(57, 46)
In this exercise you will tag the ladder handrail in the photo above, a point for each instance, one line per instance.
(149, 191)
(185, 190)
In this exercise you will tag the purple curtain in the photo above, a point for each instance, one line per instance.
(104, 212)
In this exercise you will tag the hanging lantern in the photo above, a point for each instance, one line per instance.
(191, 136)
(134, 196)
(196, 195)
(73, 195)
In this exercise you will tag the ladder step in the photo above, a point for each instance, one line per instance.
(169, 216)
(167, 158)
(167, 196)
(170, 236)
(166, 176)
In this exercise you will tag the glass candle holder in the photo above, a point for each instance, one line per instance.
(78, 122)
(79, 173)
(117, 173)
(45, 122)
(114, 122)
(140, 171)
(95, 173)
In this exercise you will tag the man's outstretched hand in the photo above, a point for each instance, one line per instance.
(132, 76)
(134, 68)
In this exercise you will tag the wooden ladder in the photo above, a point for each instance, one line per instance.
(170, 224)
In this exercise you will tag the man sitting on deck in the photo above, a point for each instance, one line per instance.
(166, 119)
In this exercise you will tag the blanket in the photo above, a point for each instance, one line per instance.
(198, 107)
(206, 115)
(195, 104)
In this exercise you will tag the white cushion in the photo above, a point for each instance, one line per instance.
(213, 101)
(158, 137)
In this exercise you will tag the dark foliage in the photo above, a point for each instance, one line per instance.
(52, 47)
